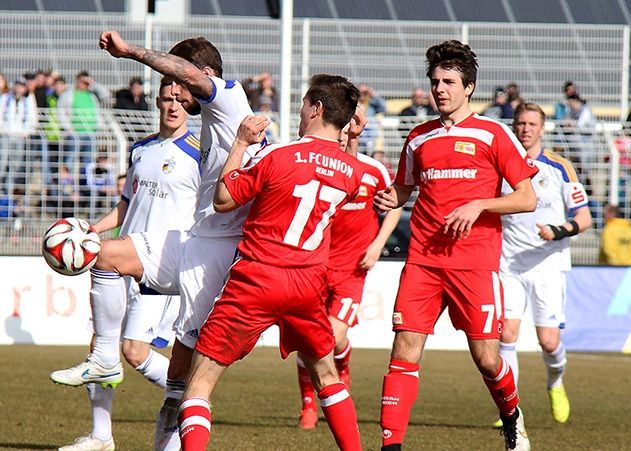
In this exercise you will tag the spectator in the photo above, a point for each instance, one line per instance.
(420, 106)
(18, 119)
(562, 107)
(68, 194)
(78, 114)
(4, 84)
(513, 100)
(272, 132)
(499, 108)
(578, 127)
(40, 90)
(52, 128)
(133, 97)
(615, 241)
(260, 90)
(373, 107)
(97, 186)
(380, 156)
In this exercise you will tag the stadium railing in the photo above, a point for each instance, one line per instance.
(52, 180)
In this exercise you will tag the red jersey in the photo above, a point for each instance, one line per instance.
(452, 166)
(296, 189)
(356, 224)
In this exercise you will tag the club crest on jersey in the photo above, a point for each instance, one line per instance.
(464, 147)
(397, 318)
(543, 181)
(134, 186)
(168, 165)
(363, 191)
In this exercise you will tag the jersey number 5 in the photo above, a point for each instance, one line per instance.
(308, 195)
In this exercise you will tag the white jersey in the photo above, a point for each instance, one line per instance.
(221, 116)
(558, 192)
(162, 184)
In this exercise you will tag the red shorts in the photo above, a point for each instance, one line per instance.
(344, 293)
(474, 298)
(258, 296)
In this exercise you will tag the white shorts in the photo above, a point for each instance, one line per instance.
(150, 315)
(195, 267)
(543, 290)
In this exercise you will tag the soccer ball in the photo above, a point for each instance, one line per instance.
(70, 246)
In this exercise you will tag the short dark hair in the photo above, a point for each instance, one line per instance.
(338, 97)
(135, 81)
(165, 81)
(200, 52)
(453, 55)
(83, 73)
(529, 106)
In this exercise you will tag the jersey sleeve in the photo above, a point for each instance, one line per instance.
(407, 172)
(574, 193)
(514, 163)
(128, 188)
(243, 184)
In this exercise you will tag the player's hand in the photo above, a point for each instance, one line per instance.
(385, 200)
(252, 129)
(545, 232)
(372, 255)
(458, 223)
(114, 44)
(357, 124)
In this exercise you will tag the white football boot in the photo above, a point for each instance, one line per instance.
(514, 431)
(167, 436)
(89, 443)
(89, 372)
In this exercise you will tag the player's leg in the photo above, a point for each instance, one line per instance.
(202, 270)
(148, 323)
(335, 401)
(515, 301)
(475, 306)
(118, 255)
(549, 318)
(195, 416)
(417, 307)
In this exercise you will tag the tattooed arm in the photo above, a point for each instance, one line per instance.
(181, 70)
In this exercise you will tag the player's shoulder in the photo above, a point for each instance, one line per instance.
(371, 165)
(190, 145)
(563, 165)
(144, 141)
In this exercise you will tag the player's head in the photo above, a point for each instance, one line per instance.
(610, 212)
(453, 66)
(173, 116)
(528, 124)
(182, 94)
(201, 53)
(331, 99)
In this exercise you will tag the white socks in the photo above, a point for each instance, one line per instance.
(509, 352)
(154, 368)
(555, 364)
(101, 400)
(108, 299)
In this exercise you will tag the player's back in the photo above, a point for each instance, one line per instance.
(298, 188)
(221, 116)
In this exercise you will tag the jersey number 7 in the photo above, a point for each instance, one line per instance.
(308, 195)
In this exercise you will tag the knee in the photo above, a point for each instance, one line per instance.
(548, 344)
(488, 365)
(135, 353)
(106, 260)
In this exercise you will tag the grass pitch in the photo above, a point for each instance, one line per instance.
(256, 404)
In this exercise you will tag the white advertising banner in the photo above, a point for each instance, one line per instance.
(43, 307)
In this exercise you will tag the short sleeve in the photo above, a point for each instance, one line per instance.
(245, 183)
(514, 163)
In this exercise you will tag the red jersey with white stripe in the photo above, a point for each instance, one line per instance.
(356, 224)
(295, 189)
(453, 166)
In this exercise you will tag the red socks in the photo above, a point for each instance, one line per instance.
(503, 390)
(342, 361)
(339, 410)
(194, 423)
(400, 388)
(307, 392)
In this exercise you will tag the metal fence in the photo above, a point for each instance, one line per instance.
(52, 178)
(389, 55)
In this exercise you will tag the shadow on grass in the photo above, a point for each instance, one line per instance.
(26, 446)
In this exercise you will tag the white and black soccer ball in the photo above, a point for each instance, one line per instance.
(70, 246)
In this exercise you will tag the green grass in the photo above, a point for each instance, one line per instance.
(257, 402)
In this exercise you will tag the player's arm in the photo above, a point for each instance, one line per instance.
(392, 197)
(355, 128)
(461, 219)
(181, 70)
(373, 252)
(114, 218)
(251, 131)
(582, 221)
